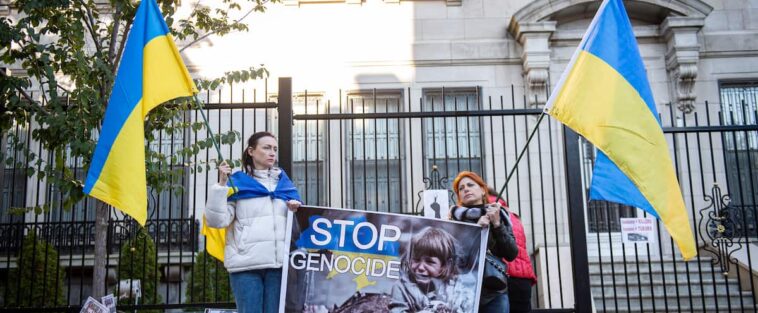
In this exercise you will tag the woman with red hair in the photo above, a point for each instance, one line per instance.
(474, 207)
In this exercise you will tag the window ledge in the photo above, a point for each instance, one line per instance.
(300, 2)
(450, 3)
(5, 8)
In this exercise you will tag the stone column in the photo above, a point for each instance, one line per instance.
(534, 38)
(682, 54)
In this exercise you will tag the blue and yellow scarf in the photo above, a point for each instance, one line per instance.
(246, 187)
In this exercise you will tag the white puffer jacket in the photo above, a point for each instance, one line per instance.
(254, 227)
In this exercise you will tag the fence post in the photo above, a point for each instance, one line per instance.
(285, 124)
(579, 260)
(4, 147)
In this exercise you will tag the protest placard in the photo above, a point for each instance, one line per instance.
(357, 261)
(436, 203)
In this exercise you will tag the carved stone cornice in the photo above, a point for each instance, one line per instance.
(534, 38)
(682, 56)
(300, 2)
(5, 8)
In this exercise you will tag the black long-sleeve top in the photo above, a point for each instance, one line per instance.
(501, 241)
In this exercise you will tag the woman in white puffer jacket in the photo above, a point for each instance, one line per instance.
(255, 217)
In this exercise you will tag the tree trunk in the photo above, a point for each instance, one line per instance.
(101, 236)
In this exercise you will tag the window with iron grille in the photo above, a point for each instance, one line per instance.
(452, 143)
(163, 204)
(308, 142)
(739, 101)
(14, 180)
(374, 150)
(602, 216)
(169, 202)
(83, 211)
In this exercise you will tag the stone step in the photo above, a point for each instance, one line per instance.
(720, 286)
(670, 277)
(639, 286)
(654, 267)
(697, 264)
(696, 300)
(643, 258)
(661, 279)
(661, 308)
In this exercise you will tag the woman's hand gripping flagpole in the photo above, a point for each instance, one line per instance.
(213, 138)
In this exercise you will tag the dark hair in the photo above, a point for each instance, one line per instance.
(247, 160)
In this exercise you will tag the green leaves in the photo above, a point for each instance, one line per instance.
(38, 279)
(209, 281)
(69, 49)
(240, 76)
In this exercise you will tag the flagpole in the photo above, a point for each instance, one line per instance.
(212, 136)
(523, 150)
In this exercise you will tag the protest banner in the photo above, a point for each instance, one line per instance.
(343, 260)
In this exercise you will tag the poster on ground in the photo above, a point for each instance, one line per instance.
(92, 306)
(343, 260)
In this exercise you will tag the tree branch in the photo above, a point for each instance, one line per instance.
(20, 90)
(213, 32)
(28, 98)
(114, 35)
(90, 23)
(122, 45)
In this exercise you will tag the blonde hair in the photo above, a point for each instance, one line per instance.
(433, 242)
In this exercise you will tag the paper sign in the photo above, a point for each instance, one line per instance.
(637, 230)
(436, 203)
(109, 302)
(129, 292)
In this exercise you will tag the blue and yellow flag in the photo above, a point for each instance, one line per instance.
(215, 240)
(151, 72)
(605, 96)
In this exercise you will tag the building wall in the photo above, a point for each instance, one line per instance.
(328, 47)
(412, 45)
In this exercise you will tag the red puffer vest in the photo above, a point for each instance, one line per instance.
(521, 267)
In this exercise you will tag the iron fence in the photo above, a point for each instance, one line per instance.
(629, 277)
(378, 150)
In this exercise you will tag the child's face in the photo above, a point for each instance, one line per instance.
(425, 268)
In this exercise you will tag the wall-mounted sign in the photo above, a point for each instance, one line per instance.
(436, 204)
(637, 230)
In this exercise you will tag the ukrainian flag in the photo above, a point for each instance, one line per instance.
(605, 96)
(151, 72)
